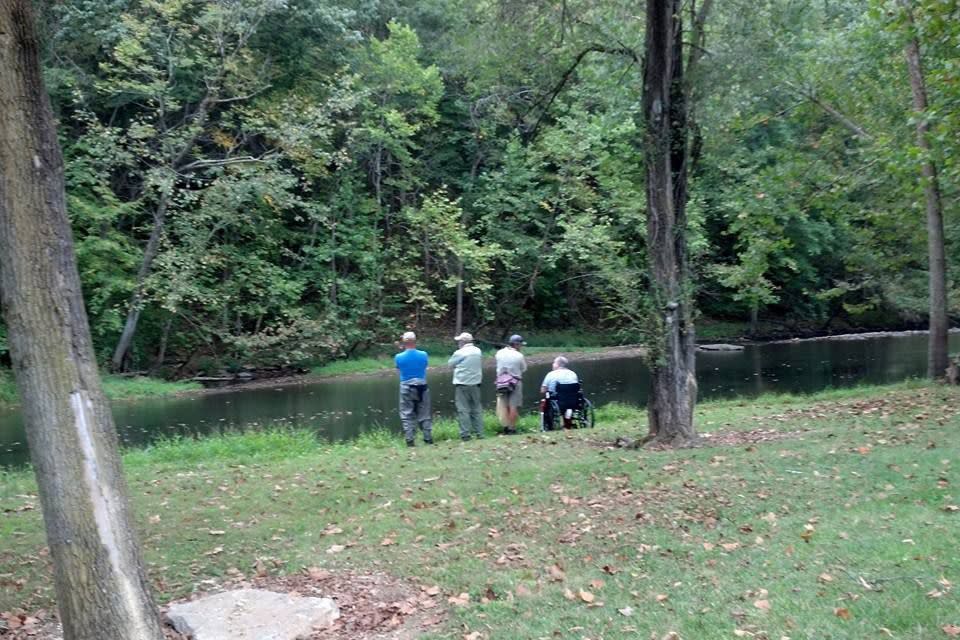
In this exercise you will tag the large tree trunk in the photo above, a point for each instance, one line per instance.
(101, 585)
(674, 387)
(939, 325)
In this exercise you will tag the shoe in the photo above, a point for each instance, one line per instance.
(411, 443)
(426, 441)
(465, 439)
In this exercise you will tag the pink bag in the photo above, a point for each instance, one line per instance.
(506, 382)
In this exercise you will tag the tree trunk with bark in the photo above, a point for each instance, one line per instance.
(674, 387)
(101, 585)
(938, 353)
(122, 349)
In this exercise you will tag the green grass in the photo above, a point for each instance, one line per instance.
(848, 513)
(353, 366)
(709, 330)
(116, 388)
(8, 389)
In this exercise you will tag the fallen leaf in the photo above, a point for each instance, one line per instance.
(386, 542)
(586, 596)
(523, 591)
(607, 569)
(215, 551)
(460, 600)
(569, 595)
(951, 630)
(842, 613)
(951, 508)
(730, 546)
(473, 635)
(597, 584)
(825, 578)
(763, 605)
(432, 591)
(337, 548)
(626, 611)
(662, 597)
(556, 573)
(316, 573)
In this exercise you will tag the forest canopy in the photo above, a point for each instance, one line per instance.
(281, 181)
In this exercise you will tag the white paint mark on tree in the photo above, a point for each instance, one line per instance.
(104, 507)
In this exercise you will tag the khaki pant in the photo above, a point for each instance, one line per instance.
(469, 410)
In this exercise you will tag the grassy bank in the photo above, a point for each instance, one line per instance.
(116, 388)
(829, 516)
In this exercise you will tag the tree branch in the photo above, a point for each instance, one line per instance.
(565, 78)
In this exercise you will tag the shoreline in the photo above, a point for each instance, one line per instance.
(543, 357)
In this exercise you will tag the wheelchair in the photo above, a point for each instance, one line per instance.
(567, 398)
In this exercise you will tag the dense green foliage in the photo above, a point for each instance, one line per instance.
(318, 173)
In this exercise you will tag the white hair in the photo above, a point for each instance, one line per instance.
(561, 361)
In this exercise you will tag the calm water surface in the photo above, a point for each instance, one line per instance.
(341, 409)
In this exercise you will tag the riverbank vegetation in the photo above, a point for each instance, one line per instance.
(829, 515)
(262, 183)
(116, 388)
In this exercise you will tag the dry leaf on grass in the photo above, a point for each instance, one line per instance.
(556, 573)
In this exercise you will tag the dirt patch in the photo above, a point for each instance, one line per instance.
(372, 607)
(712, 439)
(749, 437)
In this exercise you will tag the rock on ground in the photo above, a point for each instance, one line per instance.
(720, 347)
(252, 614)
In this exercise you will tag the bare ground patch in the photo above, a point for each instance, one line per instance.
(372, 607)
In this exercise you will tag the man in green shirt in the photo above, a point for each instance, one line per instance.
(467, 364)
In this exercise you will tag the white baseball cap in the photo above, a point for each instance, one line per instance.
(409, 336)
(464, 337)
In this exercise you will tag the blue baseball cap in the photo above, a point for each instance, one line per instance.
(516, 339)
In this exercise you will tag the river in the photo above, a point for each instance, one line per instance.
(340, 409)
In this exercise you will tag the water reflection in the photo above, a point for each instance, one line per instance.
(340, 409)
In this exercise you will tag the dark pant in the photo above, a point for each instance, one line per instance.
(414, 410)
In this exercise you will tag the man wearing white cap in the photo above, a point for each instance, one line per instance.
(467, 364)
(414, 392)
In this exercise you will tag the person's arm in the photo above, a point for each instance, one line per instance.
(456, 358)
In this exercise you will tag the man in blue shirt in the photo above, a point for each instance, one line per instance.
(414, 392)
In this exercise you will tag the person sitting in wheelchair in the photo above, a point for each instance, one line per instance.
(562, 387)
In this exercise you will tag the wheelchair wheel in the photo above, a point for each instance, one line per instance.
(551, 417)
(585, 416)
